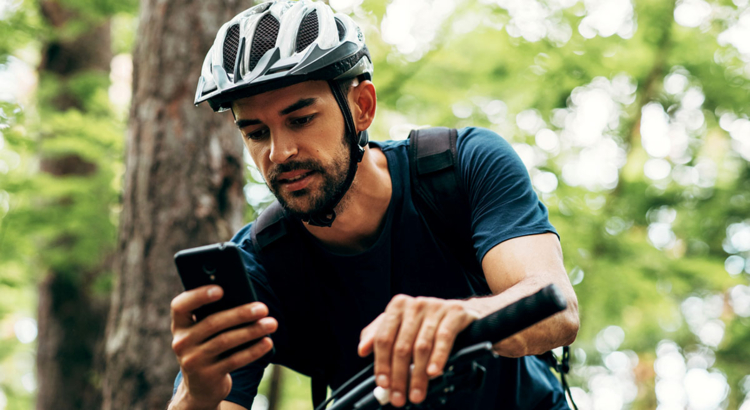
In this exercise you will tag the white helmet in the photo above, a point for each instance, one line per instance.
(277, 44)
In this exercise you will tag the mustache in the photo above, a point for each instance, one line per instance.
(309, 164)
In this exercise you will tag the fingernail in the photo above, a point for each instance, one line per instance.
(214, 292)
(267, 325)
(257, 311)
(396, 397)
(433, 369)
(382, 381)
(415, 395)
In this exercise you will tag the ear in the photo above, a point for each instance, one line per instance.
(363, 100)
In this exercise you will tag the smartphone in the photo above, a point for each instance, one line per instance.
(218, 264)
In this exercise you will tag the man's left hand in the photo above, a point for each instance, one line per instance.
(418, 330)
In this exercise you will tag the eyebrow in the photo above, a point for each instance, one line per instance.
(305, 102)
(302, 103)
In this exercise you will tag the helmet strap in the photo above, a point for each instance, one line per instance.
(357, 143)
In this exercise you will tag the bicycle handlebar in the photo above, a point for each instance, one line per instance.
(513, 318)
(493, 328)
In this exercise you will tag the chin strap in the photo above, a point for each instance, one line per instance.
(358, 142)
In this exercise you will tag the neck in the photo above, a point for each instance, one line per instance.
(360, 215)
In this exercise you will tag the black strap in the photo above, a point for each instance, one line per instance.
(270, 226)
(440, 197)
(434, 172)
(562, 367)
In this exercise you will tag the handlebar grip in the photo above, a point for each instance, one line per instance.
(513, 318)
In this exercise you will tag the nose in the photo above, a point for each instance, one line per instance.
(283, 147)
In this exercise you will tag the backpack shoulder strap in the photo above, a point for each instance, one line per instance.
(440, 196)
(434, 171)
(270, 226)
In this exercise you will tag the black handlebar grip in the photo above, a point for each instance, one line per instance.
(513, 318)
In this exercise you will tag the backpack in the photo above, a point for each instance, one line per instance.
(442, 200)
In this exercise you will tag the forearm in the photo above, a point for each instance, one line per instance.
(558, 330)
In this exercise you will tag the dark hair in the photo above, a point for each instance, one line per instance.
(347, 84)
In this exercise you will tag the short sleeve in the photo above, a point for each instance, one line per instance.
(502, 200)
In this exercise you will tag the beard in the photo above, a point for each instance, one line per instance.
(312, 200)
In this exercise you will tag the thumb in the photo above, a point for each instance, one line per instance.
(367, 338)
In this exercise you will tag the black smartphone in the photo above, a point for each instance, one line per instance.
(218, 264)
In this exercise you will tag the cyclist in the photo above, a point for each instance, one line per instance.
(297, 79)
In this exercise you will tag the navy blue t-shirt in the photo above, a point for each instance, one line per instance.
(406, 258)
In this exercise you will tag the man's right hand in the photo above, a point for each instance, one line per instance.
(199, 346)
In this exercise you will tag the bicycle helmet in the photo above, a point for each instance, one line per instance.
(280, 43)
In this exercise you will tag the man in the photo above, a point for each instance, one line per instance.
(297, 80)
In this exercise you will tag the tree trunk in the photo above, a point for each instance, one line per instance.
(71, 327)
(71, 316)
(183, 188)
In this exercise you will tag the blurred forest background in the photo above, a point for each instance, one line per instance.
(632, 117)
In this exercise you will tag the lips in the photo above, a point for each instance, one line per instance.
(294, 180)
(294, 176)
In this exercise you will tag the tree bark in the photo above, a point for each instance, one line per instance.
(71, 316)
(71, 327)
(183, 188)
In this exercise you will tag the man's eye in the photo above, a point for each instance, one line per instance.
(303, 120)
(257, 135)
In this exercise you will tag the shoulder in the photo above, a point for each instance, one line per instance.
(252, 261)
(482, 151)
(472, 141)
(390, 144)
(243, 237)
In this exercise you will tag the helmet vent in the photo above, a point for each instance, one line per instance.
(231, 43)
(308, 31)
(264, 39)
(340, 27)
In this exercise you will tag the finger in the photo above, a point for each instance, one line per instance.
(384, 339)
(221, 321)
(402, 351)
(456, 319)
(245, 356)
(233, 338)
(367, 337)
(422, 350)
(185, 303)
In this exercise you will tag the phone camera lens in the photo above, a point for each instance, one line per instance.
(209, 269)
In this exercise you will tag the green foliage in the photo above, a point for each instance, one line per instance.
(626, 280)
(17, 28)
(53, 218)
(101, 9)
